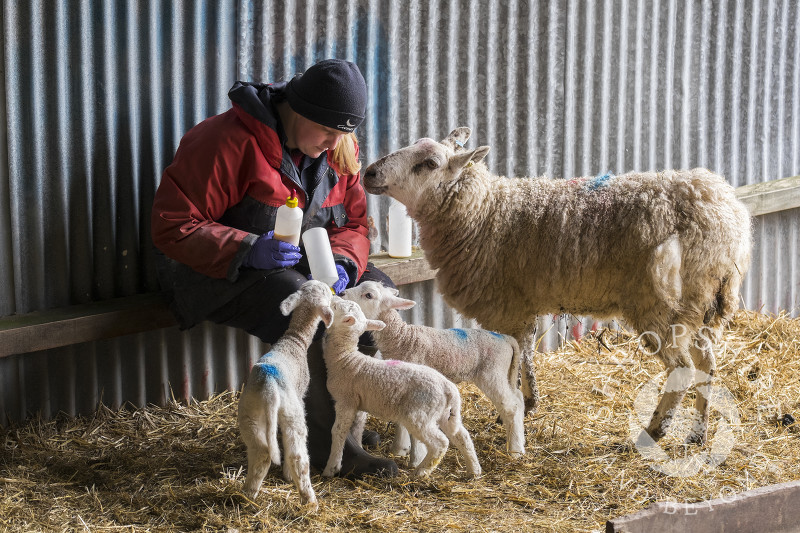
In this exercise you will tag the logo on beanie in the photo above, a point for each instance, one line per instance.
(347, 126)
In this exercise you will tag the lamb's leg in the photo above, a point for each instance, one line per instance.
(705, 368)
(461, 439)
(402, 442)
(258, 456)
(357, 431)
(436, 443)
(295, 453)
(530, 390)
(511, 406)
(341, 427)
(417, 451)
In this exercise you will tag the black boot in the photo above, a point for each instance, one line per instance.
(320, 416)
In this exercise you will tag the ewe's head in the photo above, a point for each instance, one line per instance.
(373, 298)
(314, 295)
(347, 314)
(418, 170)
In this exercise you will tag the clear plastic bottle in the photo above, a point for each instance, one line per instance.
(320, 256)
(399, 230)
(289, 221)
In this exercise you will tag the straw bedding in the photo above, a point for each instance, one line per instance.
(180, 467)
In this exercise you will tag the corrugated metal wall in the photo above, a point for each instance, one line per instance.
(96, 96)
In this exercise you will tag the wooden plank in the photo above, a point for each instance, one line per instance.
(771, 196)
(404, 270)
(770, 509)
(54, 328)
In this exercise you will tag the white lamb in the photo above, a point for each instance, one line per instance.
(666, 251)
(273, 395)
(414, 395)
(487, 359)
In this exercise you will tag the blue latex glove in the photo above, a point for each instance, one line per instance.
(341, 284)
(268, 253)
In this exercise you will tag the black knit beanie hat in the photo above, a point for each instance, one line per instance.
(332, 93)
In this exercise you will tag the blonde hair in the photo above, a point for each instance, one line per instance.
(345, 156)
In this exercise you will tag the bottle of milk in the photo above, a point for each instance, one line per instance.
(289, 221)
(320, 256)
(399, 230)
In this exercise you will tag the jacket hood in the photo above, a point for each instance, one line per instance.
(254, 104)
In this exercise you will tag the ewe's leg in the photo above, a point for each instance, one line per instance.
(680, 374)
(705, 368)
(530, 390)
(295, 453)
(339, 431)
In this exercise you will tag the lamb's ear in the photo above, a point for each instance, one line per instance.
(459, 161)
(326, 315)
(457, 138)
(395, 302)
(349, 320)
(374, 325)
(288, 305)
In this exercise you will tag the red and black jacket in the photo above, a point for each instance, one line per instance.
(230, 174)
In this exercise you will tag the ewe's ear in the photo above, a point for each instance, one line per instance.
(457, 138)
(396, 302)
(374, 325)
(459, 161)
(288, 305)
(327, 316)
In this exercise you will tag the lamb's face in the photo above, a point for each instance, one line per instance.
(313, 293)
(373, 298)
(348, 314)
(415, 172)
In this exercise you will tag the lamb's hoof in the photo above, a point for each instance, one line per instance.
(311, 505)
(477, 473)
(329, 472)
(516, 455)
(423, 472)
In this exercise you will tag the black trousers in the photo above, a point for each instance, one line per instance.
(256, 310)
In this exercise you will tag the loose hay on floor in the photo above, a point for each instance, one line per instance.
(180, 467)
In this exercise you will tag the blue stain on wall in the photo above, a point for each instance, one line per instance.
(599, 181)
(460, 333)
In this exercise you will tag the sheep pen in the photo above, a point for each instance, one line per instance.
(181, 467)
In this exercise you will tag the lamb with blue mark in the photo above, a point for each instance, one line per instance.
(273, 395)
(487, 359)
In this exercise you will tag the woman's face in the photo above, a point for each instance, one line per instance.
(312, 139)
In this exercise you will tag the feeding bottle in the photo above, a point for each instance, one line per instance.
(289, 221)
(399, 230)
(320, 256)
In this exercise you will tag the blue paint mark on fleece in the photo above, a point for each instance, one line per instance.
(460, 333)
(599, 181)
(269, 371)
(498, 335)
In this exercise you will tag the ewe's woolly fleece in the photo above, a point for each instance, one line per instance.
(508, 250)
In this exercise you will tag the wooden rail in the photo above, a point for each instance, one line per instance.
(54, 328)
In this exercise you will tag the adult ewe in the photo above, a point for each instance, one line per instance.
(665, 251)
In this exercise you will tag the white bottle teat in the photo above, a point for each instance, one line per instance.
(320, 256)
(289, 221)
(399, 230)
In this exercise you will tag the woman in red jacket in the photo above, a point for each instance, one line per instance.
(215, 210)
